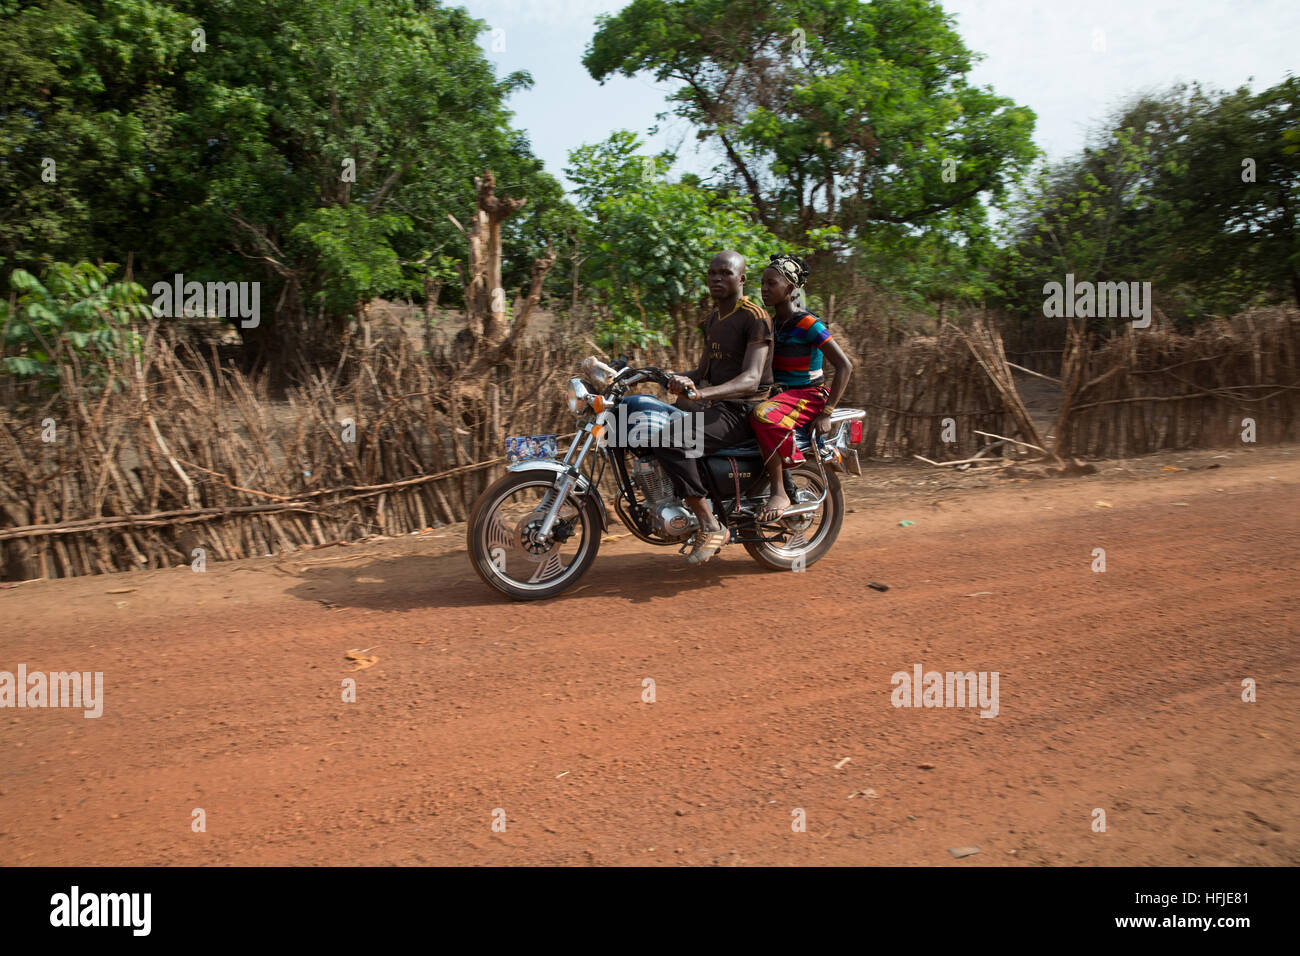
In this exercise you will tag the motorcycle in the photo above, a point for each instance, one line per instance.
(534, 532)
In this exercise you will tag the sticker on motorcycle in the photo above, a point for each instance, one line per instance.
(530, 448)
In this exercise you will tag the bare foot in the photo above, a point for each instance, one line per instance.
(777, 502)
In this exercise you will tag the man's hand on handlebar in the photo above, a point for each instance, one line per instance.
(680, 384)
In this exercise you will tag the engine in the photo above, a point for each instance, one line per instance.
(668, 516)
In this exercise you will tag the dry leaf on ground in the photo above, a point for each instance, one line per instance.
(361, 658)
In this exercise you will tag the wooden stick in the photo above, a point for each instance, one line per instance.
(194, 514)
(944, 464)
(1030, 371)
(1184, 397)
(1013, 441)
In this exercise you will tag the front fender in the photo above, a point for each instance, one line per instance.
(582, 486)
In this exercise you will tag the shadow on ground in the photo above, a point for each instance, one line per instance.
(413, 581)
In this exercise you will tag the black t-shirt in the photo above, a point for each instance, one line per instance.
(725, 342)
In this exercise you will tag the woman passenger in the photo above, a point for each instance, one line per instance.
(800, 341)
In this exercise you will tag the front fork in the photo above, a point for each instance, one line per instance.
(572, 471)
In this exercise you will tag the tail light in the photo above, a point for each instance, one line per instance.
(855, 431)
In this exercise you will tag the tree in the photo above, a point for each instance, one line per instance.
(88, 99)
(485, 302)
(1086, 217)
(1192, 191)
(316, 146)
(935, 269)
(649, 242)
(827, 112)
(74, 309)
(1233, 180)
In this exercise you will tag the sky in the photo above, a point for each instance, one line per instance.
(1073, 63)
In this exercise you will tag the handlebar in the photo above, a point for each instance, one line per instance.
(661, 377)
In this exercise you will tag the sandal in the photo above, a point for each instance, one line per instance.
(706, 544)
(769, 515)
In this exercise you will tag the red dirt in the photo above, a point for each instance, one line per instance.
(1119, 691)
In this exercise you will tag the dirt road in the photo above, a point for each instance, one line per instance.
(1118, 691)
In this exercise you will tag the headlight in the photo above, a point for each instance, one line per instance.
(577, 395)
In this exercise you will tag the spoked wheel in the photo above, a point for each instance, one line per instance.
(504, 543)
(804, 539)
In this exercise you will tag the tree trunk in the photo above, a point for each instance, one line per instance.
(432, 289)
(485, 315)
(501, 351)
(679, 337)
(573, 281)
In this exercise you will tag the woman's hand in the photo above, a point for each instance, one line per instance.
(822, 423)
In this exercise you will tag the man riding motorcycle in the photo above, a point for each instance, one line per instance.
(537, 529)
(734, 375)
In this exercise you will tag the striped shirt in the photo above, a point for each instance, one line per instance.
(797, 361)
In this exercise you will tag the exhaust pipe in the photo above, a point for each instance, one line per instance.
(804, 508)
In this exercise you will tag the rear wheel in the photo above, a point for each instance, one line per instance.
(804, 539)
(503, 537)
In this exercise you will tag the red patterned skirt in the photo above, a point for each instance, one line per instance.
(775, 420)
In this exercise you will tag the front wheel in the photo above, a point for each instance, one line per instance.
(805, 539)
(503, 543)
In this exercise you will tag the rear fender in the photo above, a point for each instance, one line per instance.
(843, 456)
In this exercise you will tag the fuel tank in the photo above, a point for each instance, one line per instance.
(642, 422)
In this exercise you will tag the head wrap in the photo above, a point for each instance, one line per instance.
(792, 267)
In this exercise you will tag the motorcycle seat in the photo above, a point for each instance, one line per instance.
(749, 449)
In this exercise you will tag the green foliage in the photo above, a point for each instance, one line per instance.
(354, 253)
(1164, 196)
(82, 85)
(649, 242)
(227, 162)
(76, 305)
(827, 112)
(1239, 233)
(863, 138)
(1083, 217)
(942, 266)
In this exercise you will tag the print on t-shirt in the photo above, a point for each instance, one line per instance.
(726, 340)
